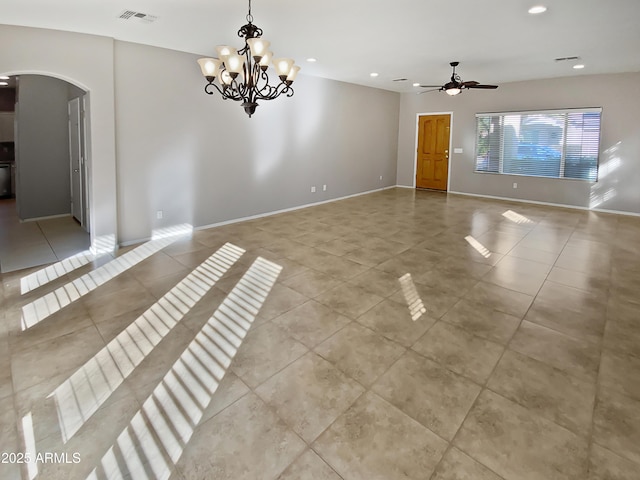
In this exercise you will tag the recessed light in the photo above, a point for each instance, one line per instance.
(373, 74)
(3, 84)
(4, 78)
(312, 60)
(416, 84)
(537, 9)
(578, 67)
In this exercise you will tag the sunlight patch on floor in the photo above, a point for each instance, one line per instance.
(82, 394)
(158, 433)
(45, 306)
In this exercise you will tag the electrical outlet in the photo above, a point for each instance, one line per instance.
(313, 189)
(515, 185)
(159, 214)
(324, 188)
(380, 177)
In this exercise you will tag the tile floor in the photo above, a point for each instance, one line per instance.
(511, 351)
(29, 244)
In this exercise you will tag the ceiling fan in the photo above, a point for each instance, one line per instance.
(456, 85)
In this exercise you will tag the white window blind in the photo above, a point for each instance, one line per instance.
(554, 143)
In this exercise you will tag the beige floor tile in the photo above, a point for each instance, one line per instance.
(231, 389)
(360, 353)
(620, 373)
(309, 466)
(622, 331)
(457, 466)
(617, 424)
(265, 351)
(312, 283)
(436, 302)
(394, 321)
(9, 438)
(482, 321)
(500, 434)
(90, 446)
(499, 298)
(157, 266)
(349, 300)
(368, 257)
(573, 298)
(414, 261)
(428, 393)
(119, 303)
(579, 280)
(337, 246)
(581, 333)
(281, 299)
(70, 319)
(309, 395)
(606, 465)
(533, 254)
(376, 281)
(311, 323)
(551, 393)
(34, 364)
(224, 449)
(376, 441)
(459, 351)
(575, 357)
(524, 282)
(584, 325)
(446, 281)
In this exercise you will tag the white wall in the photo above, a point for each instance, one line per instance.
(198, 158)
(619, 176)
(42, 141)
(86, 61)
(202, 160)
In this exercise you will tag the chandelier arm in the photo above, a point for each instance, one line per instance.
(211, 84)
(276, 91)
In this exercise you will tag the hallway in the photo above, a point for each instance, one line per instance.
(29, 244)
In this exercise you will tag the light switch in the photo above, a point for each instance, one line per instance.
(457, 150)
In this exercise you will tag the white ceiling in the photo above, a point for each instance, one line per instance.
(496, 41)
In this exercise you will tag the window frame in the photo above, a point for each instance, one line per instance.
(563, 111)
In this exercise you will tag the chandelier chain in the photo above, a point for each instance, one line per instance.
(249, 16)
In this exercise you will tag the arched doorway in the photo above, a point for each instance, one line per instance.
(44, 146)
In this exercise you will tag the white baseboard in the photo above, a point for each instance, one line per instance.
(266, 214)
(535, 202)
(37, 219)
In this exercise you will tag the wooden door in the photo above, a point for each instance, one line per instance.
(432, 170)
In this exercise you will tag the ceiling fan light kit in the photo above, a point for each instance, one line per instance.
(456, 85)
(242, 74)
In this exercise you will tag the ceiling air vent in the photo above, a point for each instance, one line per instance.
(143, 17)
(566, 59)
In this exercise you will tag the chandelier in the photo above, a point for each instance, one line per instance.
(242, 74)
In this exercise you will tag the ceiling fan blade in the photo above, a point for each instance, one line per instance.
(470, 82)
(430, 86)
(485, 87)
(432, 90)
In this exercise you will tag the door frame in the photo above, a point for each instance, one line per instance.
(79, 196)
(415, 147)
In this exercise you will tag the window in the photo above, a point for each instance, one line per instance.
(555, 143)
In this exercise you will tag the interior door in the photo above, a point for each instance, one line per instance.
(432, 169)
(75, 152)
